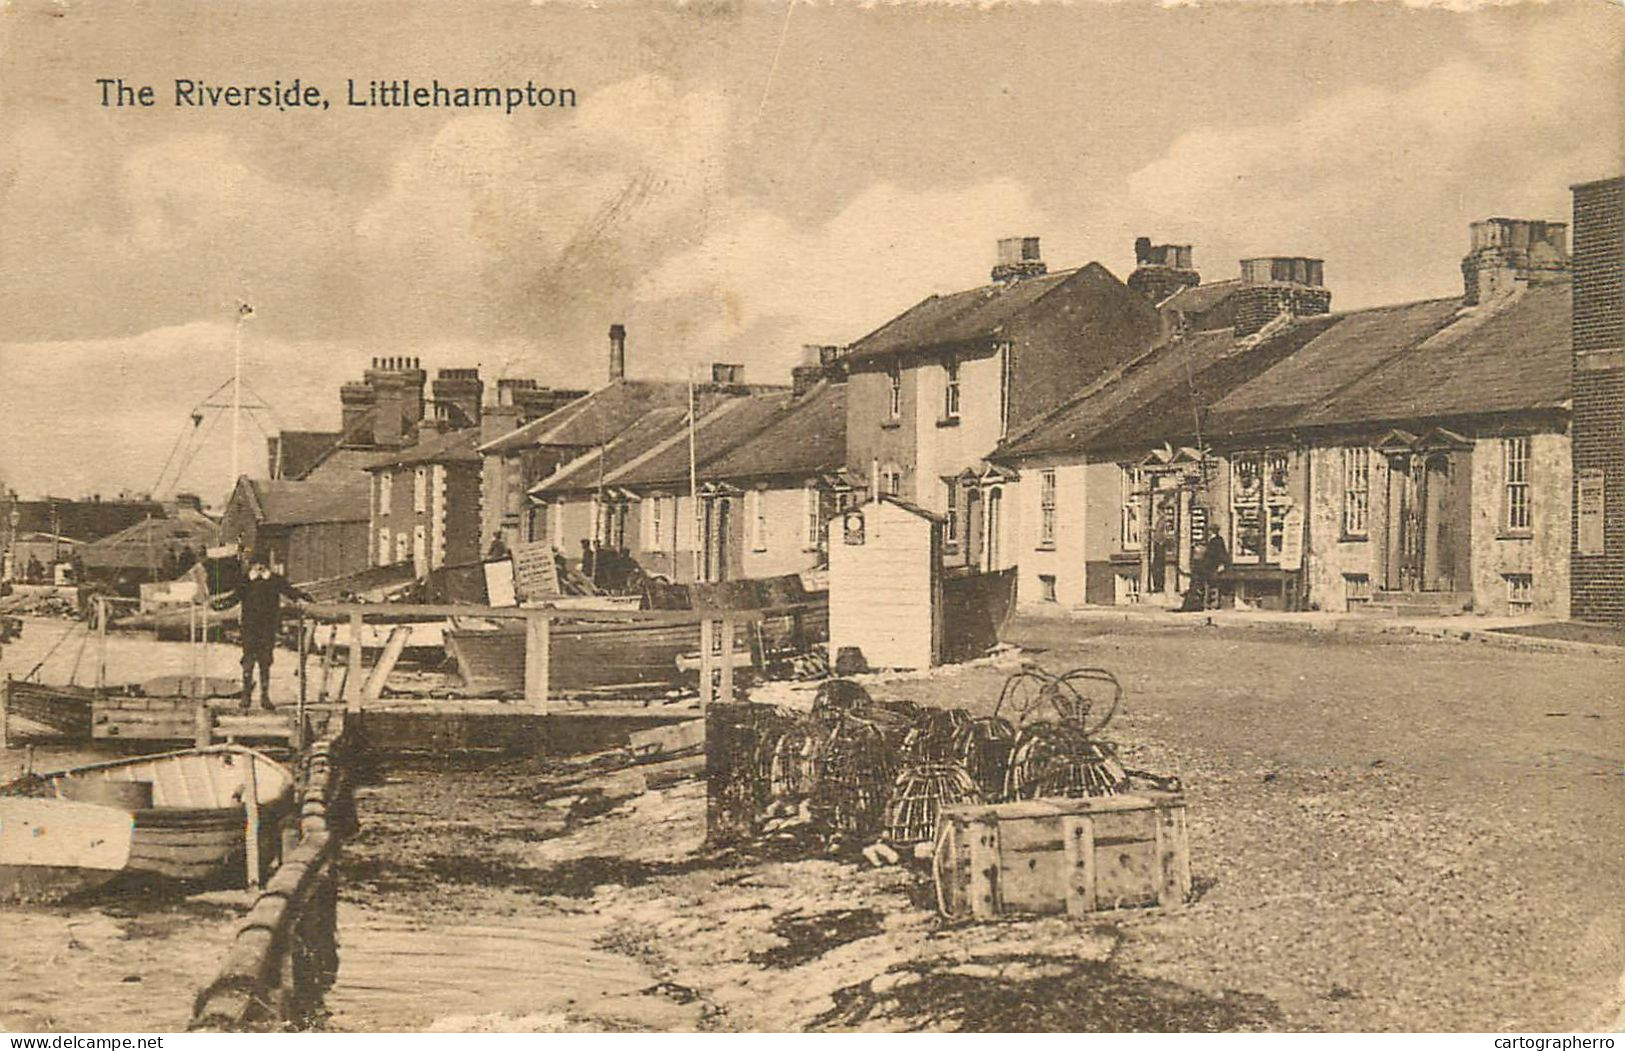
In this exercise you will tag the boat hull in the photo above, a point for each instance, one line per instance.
(196, 831)
(594, 656)
(33, 711)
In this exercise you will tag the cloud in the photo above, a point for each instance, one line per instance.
(1380, 179)
(761, 285)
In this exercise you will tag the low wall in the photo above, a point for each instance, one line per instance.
(285, 954)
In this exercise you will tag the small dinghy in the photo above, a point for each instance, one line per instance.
(180, 816)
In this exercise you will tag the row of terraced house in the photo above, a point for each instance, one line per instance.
(1090, 434)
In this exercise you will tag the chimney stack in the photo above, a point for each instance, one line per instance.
(1161, 270)
(1280, 284)
(617, 352)
(459, 395)
(1506, 252)
(1018, 257)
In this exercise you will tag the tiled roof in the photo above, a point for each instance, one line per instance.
(1514, 357)
(1358, 342)
(596, 418)
(584, 471)
(299, 451)
(808, 437)
(306, 503)
(963, 317)
(732, 423)
(145, 543)
(459, 446)
(1157, 396)
(1199, 299)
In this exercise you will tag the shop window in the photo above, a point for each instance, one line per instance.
(950, 389)
(1356, 491)
(1046, 587)
(1128, 589)
(1046, 508)
(1515, 457)
(1132, 481)
(895, 374)
(1520, 592)
(1356, 588)
(950, 531)
(1260, 499)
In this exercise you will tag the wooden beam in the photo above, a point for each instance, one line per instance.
(386, 662)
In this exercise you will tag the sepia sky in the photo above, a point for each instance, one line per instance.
(737, 180)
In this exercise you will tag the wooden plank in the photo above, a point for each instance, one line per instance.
(982, 843)
(1078, 841)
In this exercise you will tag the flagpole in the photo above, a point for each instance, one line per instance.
(693, 474)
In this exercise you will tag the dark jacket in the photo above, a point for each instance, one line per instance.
(262, 608)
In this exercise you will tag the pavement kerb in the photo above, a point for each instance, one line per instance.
(1342, 623)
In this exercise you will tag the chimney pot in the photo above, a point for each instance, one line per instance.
(617, 352)
(1018, 257)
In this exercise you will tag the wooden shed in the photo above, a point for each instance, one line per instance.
(885, 584)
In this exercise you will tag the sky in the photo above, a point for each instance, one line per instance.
(736, 180)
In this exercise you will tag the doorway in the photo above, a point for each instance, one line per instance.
(1427, 544)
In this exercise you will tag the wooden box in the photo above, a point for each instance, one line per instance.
(1071, 856)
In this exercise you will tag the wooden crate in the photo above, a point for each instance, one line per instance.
(1071, 856)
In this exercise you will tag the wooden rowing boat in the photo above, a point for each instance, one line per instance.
(588, 655)
(179, 816)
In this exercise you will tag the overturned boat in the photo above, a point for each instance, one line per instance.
(181, 816)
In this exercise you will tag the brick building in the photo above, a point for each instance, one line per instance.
(517, 459)
(933, 391)
(425, 502)
(1415, 454)
(1598, 330)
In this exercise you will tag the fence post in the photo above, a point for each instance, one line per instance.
(707, 660)
(726, 689)
(538, 638)
(354, 684)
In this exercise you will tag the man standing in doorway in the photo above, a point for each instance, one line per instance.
(260, 595)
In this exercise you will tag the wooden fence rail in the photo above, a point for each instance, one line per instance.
(285, 954)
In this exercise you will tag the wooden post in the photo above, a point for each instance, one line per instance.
(538, 640)
(304, 700)
(101, 643)
(726, 691)
(385, 664)
(251, 804)
(707, 660)
(5, 712)
(203, 723)
(354, 682)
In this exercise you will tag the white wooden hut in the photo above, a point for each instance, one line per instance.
(885, 584)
